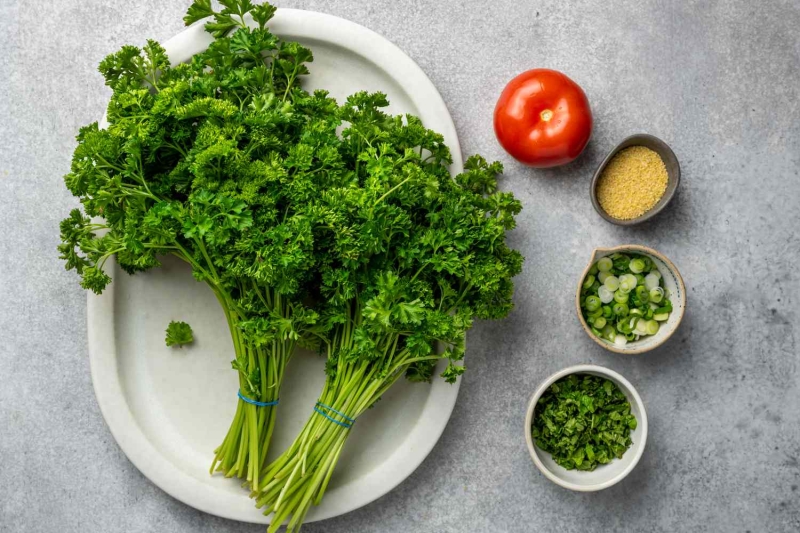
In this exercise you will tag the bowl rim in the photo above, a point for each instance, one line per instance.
(650, 141)
(633, 397)
(642, 249)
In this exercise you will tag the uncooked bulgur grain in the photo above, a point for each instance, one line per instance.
(632, 183)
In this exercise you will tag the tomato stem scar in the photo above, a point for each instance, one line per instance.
(546, 115)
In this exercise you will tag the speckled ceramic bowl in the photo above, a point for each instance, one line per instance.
(603, 476)
(673, 176)
(673, 282)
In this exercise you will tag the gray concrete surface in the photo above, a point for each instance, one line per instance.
(718, 80)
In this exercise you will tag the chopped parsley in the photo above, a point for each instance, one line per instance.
(582, 421)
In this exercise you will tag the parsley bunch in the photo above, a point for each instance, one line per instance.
(411, 256)
(336, 227)
(583, 421)
(204, 161)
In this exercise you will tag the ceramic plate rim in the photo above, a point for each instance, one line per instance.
(291, 23)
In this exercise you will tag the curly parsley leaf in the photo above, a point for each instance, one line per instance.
(179, 334)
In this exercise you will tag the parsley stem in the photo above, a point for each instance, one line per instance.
(390, 191)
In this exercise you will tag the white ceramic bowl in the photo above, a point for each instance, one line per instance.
(605, 475)
(673, 282)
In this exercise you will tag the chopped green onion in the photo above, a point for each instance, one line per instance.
(628, 282)
(621, 261)
(622, 298)
(605, 294)
(612, 282)
(594, 314)
(642, 294)
(651, 281)
(592, 303)
(637, 265)
(656, 295)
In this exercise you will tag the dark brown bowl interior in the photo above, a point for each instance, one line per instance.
(673, 176)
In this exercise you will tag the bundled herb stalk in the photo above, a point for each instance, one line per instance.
(411, 257)
(204, 161)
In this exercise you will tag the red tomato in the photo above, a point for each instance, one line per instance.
(543, 118)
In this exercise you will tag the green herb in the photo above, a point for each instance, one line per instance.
(414, 257)
(179, 333)
(213, 161)
(623, 298)
(333, 226)
(582, 421)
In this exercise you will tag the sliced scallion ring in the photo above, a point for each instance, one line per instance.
(656, 295)
(612, 282)
(604, 264)
(605, 294)
(621, 310)
(637, 265)
(592, 303)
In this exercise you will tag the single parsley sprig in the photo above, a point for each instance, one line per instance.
(583, 421)
(179, 334)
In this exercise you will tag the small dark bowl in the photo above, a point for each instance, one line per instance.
(673, 176)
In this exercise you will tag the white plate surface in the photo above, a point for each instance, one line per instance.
(169, 408)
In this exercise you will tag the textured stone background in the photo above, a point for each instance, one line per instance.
(718, 80)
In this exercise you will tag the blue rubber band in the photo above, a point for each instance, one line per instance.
(259, 404)
(329, 408)
(343, 424)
